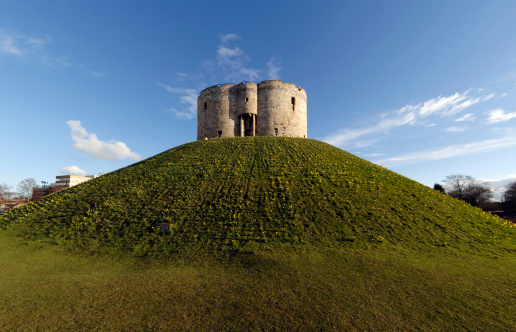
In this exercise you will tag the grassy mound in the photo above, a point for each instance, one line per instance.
(247, 194)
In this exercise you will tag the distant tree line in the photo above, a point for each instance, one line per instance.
(24, 190)
(477, 193)
(509, 197)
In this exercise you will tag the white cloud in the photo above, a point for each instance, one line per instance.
(441, 103)
(499, 186)
(454, 129)
(225, 54)
(500, 183)
(451, 104)
(431, 125)
(90, 144)
(73, 170)
(452, 151)
(500, 115)
(228, 37)
(409, 115)
(466, 117)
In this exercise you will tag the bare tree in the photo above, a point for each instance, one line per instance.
(509, 196)
(25, 188)
(457, 185)
(5, 191)
(466, 188)
(478, 195)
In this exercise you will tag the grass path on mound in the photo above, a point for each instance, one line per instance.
(45, 288)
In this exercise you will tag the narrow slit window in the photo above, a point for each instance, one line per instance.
(293, 101)
(205, 105)
(246, 99)
(276, 131)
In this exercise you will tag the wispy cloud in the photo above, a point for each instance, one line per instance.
(188, 98)
(233, 61)
(466, 117)
(230, 64)
(410, 115)
(227, 55)
(378, 154)
(9, 44)
(73, 170)
(90, 144)
(500, 115)
(510, 76)
(15, 44)
(455, 129)
(451, 151)
(96, 73)
(273, 68)
(228, 37)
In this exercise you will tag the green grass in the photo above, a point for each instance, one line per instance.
(251, 194)
(44, 287)
(266, 234)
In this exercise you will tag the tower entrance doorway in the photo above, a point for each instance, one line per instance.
(247, 124)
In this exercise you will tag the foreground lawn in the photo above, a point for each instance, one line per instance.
(43, 287)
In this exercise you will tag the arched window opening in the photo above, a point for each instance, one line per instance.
(219, 133)
(246, 99)
(276, 131)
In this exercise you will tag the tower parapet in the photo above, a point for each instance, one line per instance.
(269, 108)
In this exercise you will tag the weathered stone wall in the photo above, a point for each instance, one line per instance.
(270, 108)
(281, 109)
(247, 98)
(213, 112)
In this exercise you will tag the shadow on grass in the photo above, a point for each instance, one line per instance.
(382, 288)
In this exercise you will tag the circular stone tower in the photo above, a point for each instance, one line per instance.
(269, 108)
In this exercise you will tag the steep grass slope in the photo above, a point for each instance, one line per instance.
(247, 194)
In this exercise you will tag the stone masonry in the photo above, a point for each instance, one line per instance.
(269, 108)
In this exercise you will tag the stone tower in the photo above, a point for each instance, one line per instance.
(269, 108)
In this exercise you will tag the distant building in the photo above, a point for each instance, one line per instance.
(7, 204)
(40, 192)
(71, 180)
(506, 214)
(62, 182)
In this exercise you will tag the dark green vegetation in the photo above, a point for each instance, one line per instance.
(265, 234)
(246, 194)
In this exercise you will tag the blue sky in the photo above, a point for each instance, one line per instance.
(426, 89)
